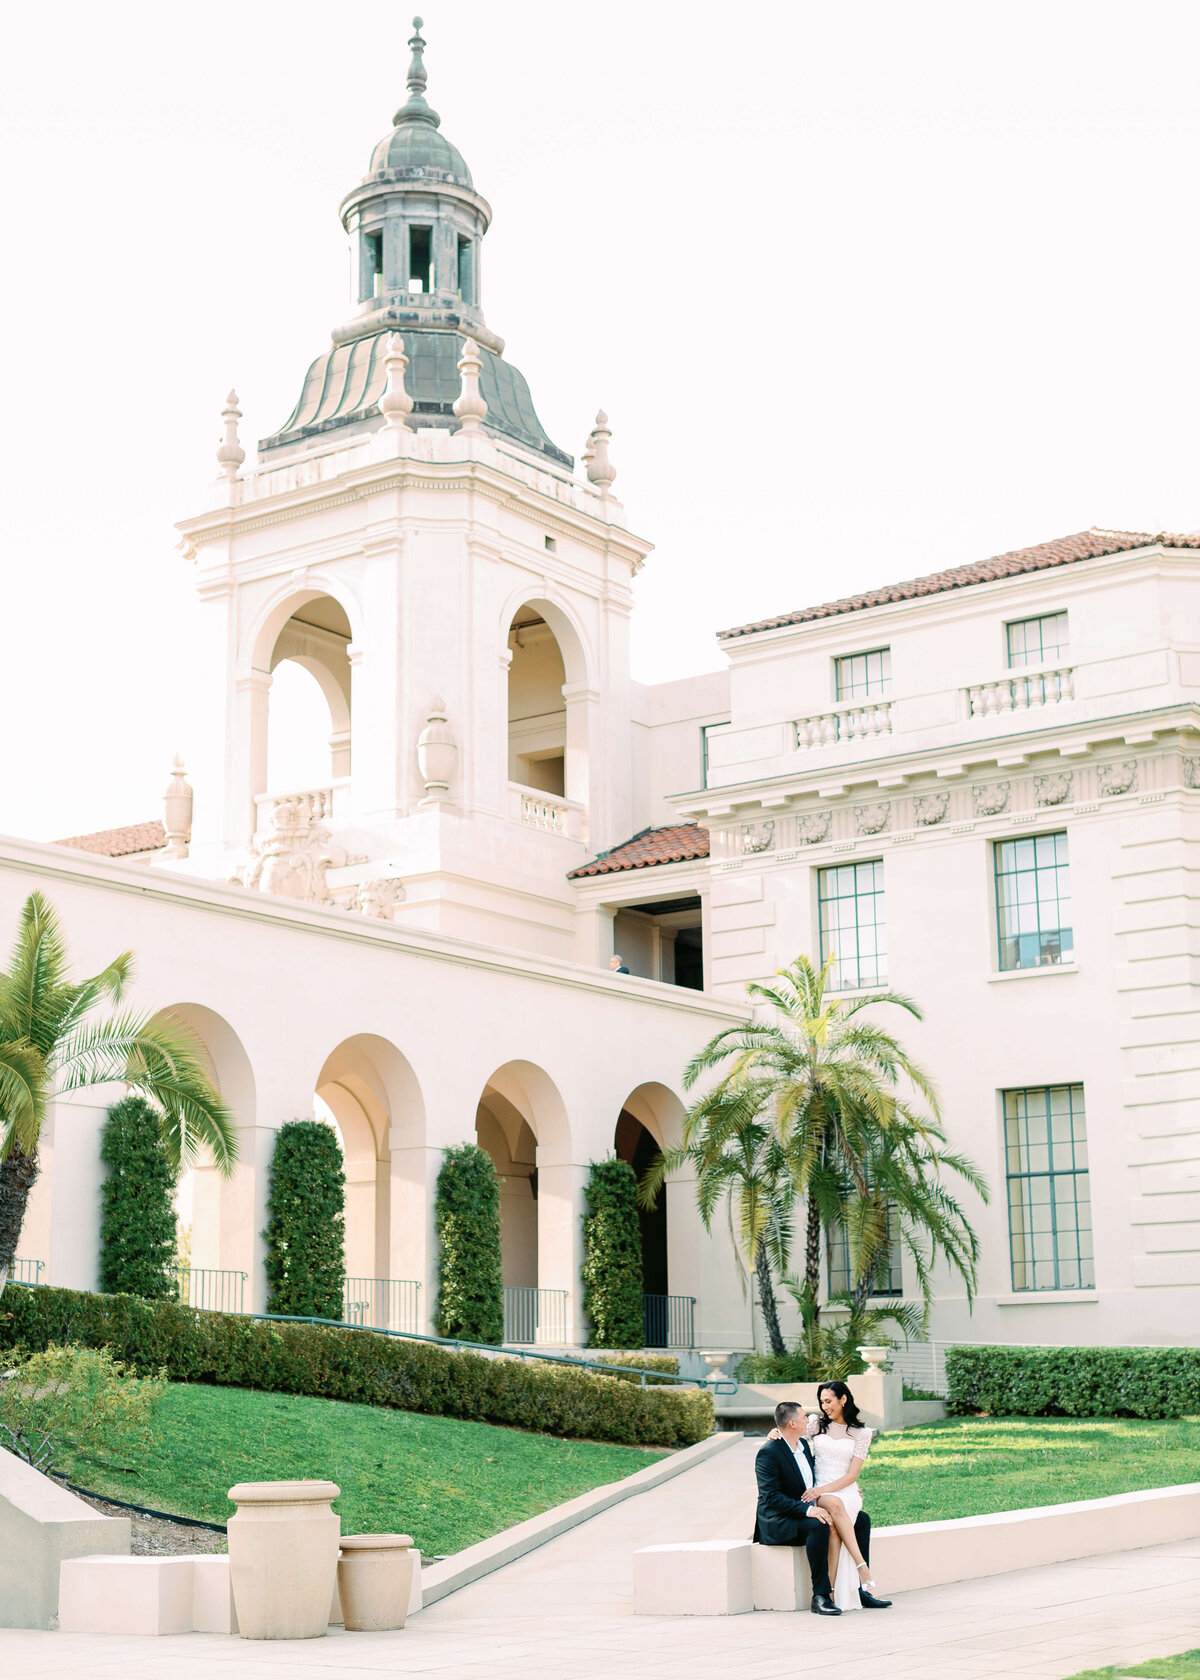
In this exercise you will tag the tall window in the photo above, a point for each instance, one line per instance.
(863, 676)
(852, 924)
(420, 259)
(1049, 1204)
(1033, 901)
(889, 1271)
(708, 731)
(1038, 641)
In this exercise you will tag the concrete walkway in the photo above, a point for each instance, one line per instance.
(566, 1609)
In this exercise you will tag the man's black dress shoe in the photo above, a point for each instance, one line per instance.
(824, 1606)
(870, 1602)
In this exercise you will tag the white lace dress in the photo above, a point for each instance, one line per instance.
(835, 1451)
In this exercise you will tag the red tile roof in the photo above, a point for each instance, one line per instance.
(120, 842)
(653, 845)
(1085, 545)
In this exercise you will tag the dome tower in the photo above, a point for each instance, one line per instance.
(416, 224)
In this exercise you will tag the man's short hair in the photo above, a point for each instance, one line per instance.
(786, 1413)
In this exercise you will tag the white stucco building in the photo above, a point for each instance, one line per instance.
(979, 787)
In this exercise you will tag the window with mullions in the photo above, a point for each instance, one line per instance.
(1049, 1203)
(889, 1271)
(1033, 902)
(861, 676)
(1037, 641)
(850, 898)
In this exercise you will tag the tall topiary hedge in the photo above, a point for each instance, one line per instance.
(612, 1258)
(137, 1203)
(306, 1222)
(470, 1299)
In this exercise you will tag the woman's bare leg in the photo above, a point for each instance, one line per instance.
(844, 1526)
(835, 1552)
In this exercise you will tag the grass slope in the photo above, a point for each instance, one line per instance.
(447, 1482)
(967, 1467)
(1186, 1666)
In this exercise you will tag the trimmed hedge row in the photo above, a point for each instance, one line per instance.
(1074, 1382)
(626, 1365)
(239, 1352)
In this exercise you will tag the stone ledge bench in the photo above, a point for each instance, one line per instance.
(730, 1577)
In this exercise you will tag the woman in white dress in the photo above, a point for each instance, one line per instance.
(840, 1442)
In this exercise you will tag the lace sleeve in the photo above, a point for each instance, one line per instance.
(812, 1426)
(862, 1443)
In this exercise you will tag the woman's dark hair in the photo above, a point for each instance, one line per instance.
(850, 1415)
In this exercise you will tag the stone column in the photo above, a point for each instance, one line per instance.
(666, 954)
(583, 748)
(249, 769)
(413, 1240)
(594, 935)
(560, 1241)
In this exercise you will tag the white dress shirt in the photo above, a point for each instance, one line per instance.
(802, 1463)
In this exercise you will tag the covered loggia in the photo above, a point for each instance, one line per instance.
(649, 1122)
(550, 701)
(308, 714)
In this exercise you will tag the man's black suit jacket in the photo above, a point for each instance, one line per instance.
(782, 1518)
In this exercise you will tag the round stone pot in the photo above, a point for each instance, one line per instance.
(374, 1581)
(283, 1549)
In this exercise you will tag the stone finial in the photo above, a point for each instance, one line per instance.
(177, 810)
(395, 404)
(469, 407)
(599, 468)
(416, 108)
(230, 454)
(437, 754)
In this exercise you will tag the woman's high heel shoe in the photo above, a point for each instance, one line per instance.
(865, 1582)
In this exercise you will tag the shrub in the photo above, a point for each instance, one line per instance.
(470, 1299)
(1074, 1382)
(306, 1222)
(79, 1398)
(612, 1257)
(776, 1368)
(345, 1364)
(622, 1363)
(137, 1221)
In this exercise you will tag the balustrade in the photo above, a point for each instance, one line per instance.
(851, 723)
(547, 812)
(1025, 693)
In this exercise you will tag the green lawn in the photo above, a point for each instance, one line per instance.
(966, 1467)
(447, 1483)
(1186, 1666)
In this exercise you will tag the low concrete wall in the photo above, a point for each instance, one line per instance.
(933, 1554)
(41, 1524)
(879, 1396)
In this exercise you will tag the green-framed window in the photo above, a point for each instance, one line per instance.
(853, 925)
(889, 1273)
(1049, 1202)
(863, 676)
(1037, 641)
(1033, 901)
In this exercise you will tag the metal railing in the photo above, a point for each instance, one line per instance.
(669, 1321)
(533, 1315)
(208, 1289)
(27, 1271)
(382, 1303)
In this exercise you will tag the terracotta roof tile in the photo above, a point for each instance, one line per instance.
(120, 842)
(1084, 545)
(653, 845)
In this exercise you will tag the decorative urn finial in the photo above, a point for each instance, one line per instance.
(177, 810)
(230, 454)
(469, 407)
(415, 107)
(395, 404)
(599, 468)
(437, 754)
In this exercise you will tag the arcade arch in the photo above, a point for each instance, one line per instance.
(651, 1120)
(313, 643)
(548, 690)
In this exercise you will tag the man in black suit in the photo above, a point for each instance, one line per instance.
(785, 1471)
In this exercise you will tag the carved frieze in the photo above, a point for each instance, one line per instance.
(1191, 772)
(930, 808)
(379, 898)
(1117, 778)
(991, 798)
(758, 837)
(292, 860)
(872, 819)
(813, 827)
(1052, 789)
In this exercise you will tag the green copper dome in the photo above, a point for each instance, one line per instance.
(417, 149)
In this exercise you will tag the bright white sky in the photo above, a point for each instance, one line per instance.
(866, 290)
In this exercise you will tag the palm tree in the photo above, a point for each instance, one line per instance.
(50, 1044)
(831, 1086)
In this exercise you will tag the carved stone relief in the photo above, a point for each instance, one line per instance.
(930, 808)
(990, 799)
(379, 898)
(1191, 772)
(291, 862)
(758, 837)
(814, 827)
(1117, 778)
(1054, 788)
(872, 819)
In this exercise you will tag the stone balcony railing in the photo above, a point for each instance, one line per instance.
(1027, 692)
(848, 723)
(548, 812)
(313, 805)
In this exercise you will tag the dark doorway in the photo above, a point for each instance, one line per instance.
(633, 1143)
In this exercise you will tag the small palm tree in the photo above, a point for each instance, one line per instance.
(51, 1044)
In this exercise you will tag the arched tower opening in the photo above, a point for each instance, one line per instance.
(537, 710)
(308, 720)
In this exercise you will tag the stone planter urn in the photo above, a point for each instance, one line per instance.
(283, 1552)
(873, 1357)
(374, 1581)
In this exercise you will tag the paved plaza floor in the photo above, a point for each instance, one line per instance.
(566, 1610)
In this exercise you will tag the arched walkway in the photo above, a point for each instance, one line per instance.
(650, 1121)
